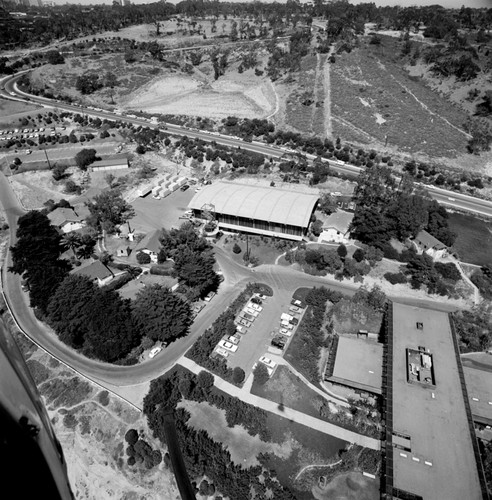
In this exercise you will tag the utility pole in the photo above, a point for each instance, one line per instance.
(47, 159)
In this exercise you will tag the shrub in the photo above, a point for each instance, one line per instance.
(390, 252)
(131, 437)
(448, 270)
(236, 248)
(143, 258)
(161, 270)
(118, 282)
(395, 278)
(260, 374)
(238, 375)
(359, 255)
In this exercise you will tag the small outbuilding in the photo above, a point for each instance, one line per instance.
(97, 272)
(336, 228)
(426, 243)
(67, 219)
(150, 245)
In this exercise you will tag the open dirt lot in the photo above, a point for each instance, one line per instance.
(11, 111)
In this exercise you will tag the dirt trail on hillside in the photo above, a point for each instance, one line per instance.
(327, 103)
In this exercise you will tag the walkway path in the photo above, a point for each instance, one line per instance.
(315, 466)
(293, 415)
(331, 396)
(327, 99)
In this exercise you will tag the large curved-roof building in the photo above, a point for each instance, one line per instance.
(255, 209)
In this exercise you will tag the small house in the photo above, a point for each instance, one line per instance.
(426, 243)
(67, 219)
(150, 245)
(123, 251)
(336, 228)
(97, 272)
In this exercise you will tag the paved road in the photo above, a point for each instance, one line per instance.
(448, 198)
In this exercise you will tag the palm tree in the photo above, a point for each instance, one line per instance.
(72, 241)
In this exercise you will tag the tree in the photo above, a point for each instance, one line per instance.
(260, 374)
(36, 256)
(317, 227)
(205, 380)
(59, 172)
(327, 204)
(143, 258)
(109, 210)
(238, 375)
(85, 157)
(111, 82)
(131, 436)
(160, 314)
(236, 248)
(342, 251)
(196, 270)
(88, 84)
(359, 255)
(54, 57)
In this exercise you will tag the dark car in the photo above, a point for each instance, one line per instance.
(185, 187)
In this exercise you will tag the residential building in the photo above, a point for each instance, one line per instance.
(336, 227)
(97, 272)
(426, 243)
(150, 245)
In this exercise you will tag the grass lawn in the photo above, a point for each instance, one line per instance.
(266, 249)
(8, 108)
(301, 293)
(286, 389)
(474, 241)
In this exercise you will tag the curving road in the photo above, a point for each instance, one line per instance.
(451, 199)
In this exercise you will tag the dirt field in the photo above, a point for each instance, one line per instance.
(11, 111)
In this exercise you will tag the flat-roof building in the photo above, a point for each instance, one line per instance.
(255, 209)
(358, 364)
(431, 451)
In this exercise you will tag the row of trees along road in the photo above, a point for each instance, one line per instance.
(94, 319)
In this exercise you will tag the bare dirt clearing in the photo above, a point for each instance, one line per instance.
(245, 96)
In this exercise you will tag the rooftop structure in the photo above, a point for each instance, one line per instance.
(96, 271)
(358, 364)
(113, 163)
(479, 385)
(431, 448)
(256, 209)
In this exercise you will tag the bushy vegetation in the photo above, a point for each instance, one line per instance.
(474, 329)
(304, 350)
(140, 452)
(202, 455)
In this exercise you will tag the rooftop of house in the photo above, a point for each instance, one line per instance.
(95, 270)
(150, 242)
(59, 216)
(426, 240)
(339, 220)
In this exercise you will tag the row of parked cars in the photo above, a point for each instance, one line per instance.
(243, 321)
(288, 321)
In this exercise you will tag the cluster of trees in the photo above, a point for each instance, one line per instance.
(224, 325)
(440, 177)
(474, 329)
(193, 260)
(482, 279)
(140, 452)
(109, 210)
(36, 256)
(201, 454)
(385, 210)
(305, 348)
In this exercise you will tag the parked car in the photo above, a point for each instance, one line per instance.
(154, 352)
(185, 187)
(251, 311)
(209, 297)
(294, 309)
(241, 329)
(260, 296)
(227, 345)
(256, 300)
(222, 352)
(234, 340)
(297, 303)
(243, 322)
(278, 342)
(247, 317)
(294, 321)
(254, 306)
(286, 324)
(268, 362)
(285, 332)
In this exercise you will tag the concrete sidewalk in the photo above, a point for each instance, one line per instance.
(296, 416)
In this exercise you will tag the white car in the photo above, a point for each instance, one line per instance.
(241, 329)
(260, 296)
(154, 352)
(228, 346)
(234, 340)
(209, 297)
(286, 324)
(254, 306)
(222, 352)
(251, 311)
(285, 332)
(294, 309)
(268, 362)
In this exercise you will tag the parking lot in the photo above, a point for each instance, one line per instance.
(153, 214)
(257, 341)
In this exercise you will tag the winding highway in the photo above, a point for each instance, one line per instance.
(236, 276)
(451, 199)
